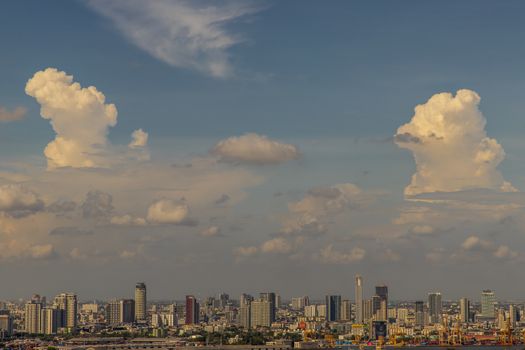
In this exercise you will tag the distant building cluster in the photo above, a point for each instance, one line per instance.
(266, 318)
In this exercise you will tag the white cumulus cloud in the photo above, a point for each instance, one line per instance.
(79, 116)
(166, 211)
(255, 149)
(185, 34)
(139, 139)
(19, 201)
(450, 146)
(276, 245)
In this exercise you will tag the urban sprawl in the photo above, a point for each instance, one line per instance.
(265, 322)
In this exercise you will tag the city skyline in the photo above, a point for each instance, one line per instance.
(248, 146)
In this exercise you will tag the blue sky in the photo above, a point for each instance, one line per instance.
(329, 82)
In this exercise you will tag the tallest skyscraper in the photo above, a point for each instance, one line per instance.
(359, 315)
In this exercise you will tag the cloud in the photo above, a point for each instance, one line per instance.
(19, 201)
(42, 251)
(166, 211)
(276, 245)
(70, 231)
(139, 139)
(328, 255)
(61, 207)
(245, 251)
(127, 220)
(308, 216)
(79, 116)
(17, 114)
(222, 199)
(450, 146)
(212, 231)
(254, 149)
(475, 248)
(97, 205)
(184, 34)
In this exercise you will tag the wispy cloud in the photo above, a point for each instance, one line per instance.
(185, 34)
(10, 116)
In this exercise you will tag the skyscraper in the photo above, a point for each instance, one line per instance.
(434, 307)
(464, 305)
(245, 311)
(346, 310)
(49, 318)
(333, 307)
(192, 310)
(359, 312)
(420, 313)
(67, 304)
(382, 310)
(261, 310)
(271, 298)
(488, 302)
(140, 302)
(32, 321)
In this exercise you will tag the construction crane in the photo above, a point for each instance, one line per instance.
(506, 337)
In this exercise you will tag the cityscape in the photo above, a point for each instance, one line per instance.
(264, 321)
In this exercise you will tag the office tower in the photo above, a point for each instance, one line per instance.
(245, 314)
(192, 310)
(112, 312)
(6, 323)
(376, 306)
(464, 312)
(32, 316)
(514, 315)
(127, 310)
(420, 314)
(382, 311)
(434, 307)
(141, 301)
(488, 302)
(66, 303)
(270, 297)
(346, 310)
(368, 310)
(333, 308)
(359, 312)
(261, 310)
(299, 303)
(50, 318)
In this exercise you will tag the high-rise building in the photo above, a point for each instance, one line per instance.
(346, 310)
(300, 303)
(66, 303)
(382, 310)
(50, 318)
(245, 311)
(32, 320)
(261, 310)
(368, 310)
(488, 303)
(514, 315)
(464, 312)
(141, 301)
(434, 307)
(192, 310)
(333, 307)
(271, 298)
(112, 312)
(6, 323)
(420, 314)
(359, 312)
(310, 311)
(127, 310)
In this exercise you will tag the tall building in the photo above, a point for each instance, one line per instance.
(67, 305)
(514, 315)
(346, 310)
(368, 310)
(464, 312)
(245, 311)
(261, 310)
(420, 314)
(140, 302)
(49, 320)
(359, 312)
(271, 298)
(192, 310)
(32, 321)
(333, 307)
(6, 323)
(434, 307)
(112, 313)
(299, 303)
(127, 310)
(488, 303)
(382, 310)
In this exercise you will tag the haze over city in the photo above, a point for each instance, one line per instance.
(250, 146)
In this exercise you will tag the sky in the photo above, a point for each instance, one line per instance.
(247, 146)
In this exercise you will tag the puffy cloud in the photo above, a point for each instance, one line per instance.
(475, 248)
(222, 199)
(245, 251)
(42, 251)
(255, 149)
(184, 34)
(450, 146)
(308, 215)
(127, 220)
(17, 114)
(276, 245)
(97, 205)
(79, 116)
(212, 231)
(139, 139)
(166, 211)
(328, 255)
(504, 252)
(61, 207)
(19, 201)
(422, 230)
